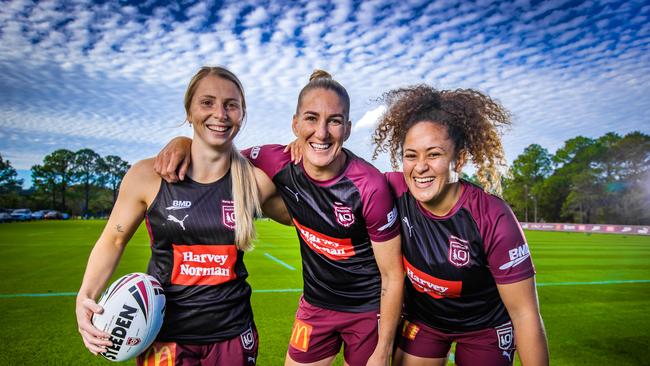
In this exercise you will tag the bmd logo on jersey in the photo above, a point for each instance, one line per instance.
(228, 214)
(517, 256)
(179, 205)
(458, 251)
(344, 215)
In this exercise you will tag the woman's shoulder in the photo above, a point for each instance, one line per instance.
(142, 178)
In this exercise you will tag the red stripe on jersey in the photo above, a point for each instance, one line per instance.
(203, 264)
(432, 286)
(333, 248)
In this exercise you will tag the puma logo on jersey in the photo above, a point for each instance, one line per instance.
(517, 256)
(180, 222)
(408, 225)
(295, 194)
(179, 205)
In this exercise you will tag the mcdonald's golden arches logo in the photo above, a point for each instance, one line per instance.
(300, 335)
(159, 354)
(409, 330)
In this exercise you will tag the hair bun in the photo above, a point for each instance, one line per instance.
(320, 74)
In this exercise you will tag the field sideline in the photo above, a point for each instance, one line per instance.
(594, 292)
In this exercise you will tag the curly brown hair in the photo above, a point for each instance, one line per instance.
(473, 122)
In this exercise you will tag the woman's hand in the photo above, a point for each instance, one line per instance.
(173, 158)
(95, 340)
(295, 148)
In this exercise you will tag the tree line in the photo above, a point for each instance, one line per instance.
(81, 182)
(601, 180)
(591, 181)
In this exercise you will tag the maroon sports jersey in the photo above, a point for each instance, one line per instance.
(335, 221)
(454, 262)
(193, 255)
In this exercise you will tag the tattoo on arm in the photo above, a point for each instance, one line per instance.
(383, 291)
(119, 228)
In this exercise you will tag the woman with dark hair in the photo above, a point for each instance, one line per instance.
(346, 223)
(208, 318)
(470, 276)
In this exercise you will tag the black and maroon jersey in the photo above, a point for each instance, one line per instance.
(191, 226)
(335, 220)
(454, 262)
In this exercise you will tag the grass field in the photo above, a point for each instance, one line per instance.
(594, 292)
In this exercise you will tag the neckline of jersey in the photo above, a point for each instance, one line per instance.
(461, 200)
(190, 180)
(329, 182)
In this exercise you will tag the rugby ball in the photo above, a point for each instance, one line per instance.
(134, 309)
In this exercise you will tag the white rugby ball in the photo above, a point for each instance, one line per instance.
(134, 309)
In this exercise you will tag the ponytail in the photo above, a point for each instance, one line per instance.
(246, 197)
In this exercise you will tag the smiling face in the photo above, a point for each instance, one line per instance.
(216, 111)
(322, 122)
(428, 153)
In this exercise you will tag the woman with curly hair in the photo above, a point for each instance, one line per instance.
(470, 276)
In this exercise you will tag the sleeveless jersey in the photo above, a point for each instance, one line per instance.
(193, 255)
(335, 221)
(453, 263)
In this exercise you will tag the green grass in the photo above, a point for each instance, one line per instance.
(604, 324)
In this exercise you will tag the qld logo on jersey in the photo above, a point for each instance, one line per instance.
(458, 251)
(506, 336)
(344, 215)
(228, 214)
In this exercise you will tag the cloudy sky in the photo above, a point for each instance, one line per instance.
(111, 75)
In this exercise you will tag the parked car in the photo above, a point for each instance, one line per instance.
(5, 217)
(22, 214)
(53, 215)
(39, 215)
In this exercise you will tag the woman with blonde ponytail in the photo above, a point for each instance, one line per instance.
(346, 223)
(199, 231)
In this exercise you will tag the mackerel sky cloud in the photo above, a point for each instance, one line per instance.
(111, 76)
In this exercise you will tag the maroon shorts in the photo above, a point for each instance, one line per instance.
(489, 347)
(238, 351)
(318, 333)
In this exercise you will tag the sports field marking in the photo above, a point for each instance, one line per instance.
(41, 233)
(286, 290)
(614, 282)
(269, 256)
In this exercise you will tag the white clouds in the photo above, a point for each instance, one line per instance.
(256, 17)
(93, 74)
(370, 119)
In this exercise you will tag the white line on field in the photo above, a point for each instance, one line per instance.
(269, 256)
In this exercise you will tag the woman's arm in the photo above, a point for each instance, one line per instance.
(136, 192)
(520, 299)
(271, 202)
(388, 255)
